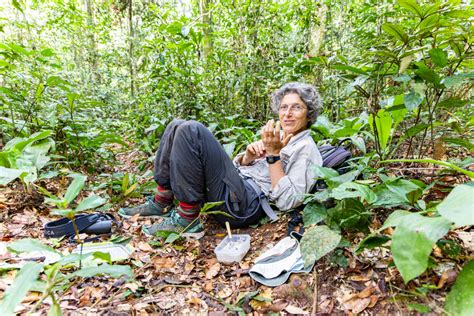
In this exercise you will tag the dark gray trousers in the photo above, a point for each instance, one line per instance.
(192, 163)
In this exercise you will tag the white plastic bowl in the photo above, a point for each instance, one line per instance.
(232, 250)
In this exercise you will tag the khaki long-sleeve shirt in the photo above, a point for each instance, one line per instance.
(297, 156)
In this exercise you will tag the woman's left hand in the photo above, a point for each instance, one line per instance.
(272, 138)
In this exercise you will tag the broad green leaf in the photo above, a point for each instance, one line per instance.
(411, 6)
(414, 130)
(324, 173)
(350, 68)
(439, 57)
(396, 31)
(412, 100)
(314, 213)
(456, 80)
(114, 271)
(402, 188)
(428, 75)
(65, 212)
(432, 227)
(125, 181)
(394, 219)
(7, 175)
(90, 202)
(460, 301)
(317, 242)
(457, 47)
(370, 242)
(466, 143)
(383, 124)
(410, 250)
(172, 238)
(352, 190)
(16, 292)
(413, 241)
(29, 245)
(209, 205)
(102, 256)
(75, 187)
(429, 22)
(350, 214)
(458, 206)
(429, 10)
(462, 14)
(21, 144)
(453, 102)
(131, 189)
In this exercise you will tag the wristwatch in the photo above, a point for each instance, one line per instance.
(272, 159)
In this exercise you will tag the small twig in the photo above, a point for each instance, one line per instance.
(315, 296)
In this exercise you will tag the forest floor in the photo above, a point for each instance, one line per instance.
(185, 277)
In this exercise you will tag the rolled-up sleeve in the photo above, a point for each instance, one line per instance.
(299, 179)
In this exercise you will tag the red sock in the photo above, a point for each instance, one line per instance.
(164, 196)
(189, 211)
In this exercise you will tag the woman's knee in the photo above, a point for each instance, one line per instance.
(189, 129)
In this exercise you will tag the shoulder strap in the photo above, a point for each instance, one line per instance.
(263, 201)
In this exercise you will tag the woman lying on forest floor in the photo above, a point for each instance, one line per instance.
(192, 166)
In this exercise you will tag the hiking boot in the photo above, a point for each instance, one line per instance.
(175, 223)
(149, 208)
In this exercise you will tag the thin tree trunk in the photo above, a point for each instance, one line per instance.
(93, 61)
(130, 49)
(206, 20)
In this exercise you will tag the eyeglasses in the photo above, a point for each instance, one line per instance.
(295, 108)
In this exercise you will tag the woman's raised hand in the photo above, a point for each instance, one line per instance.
(253, 151)
(272, 139)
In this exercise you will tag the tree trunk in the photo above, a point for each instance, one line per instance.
(206, 20)
(130, 49)
(93, 60)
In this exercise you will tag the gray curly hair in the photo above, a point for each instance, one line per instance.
(308, 94)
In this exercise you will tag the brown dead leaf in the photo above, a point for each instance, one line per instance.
(448, 277)
(140, 306)
(278, 306)
(295, 310)
(373, 300)
(124, 307)
(213, 270)
(244, 265)
(195, 301)
(32, 297)
(163, 263)
(358, 278)
(188, 267)
(358, 305)
(208, 286)
(366, 292)
(144, 246)
(244, 282)
(85, 299)
(225, 292)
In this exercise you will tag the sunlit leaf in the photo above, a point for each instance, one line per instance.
(396, 31)
(460, 301)
(16, 292)
(458, 206)
(75, 187)
(317, 242)
(90, 202)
